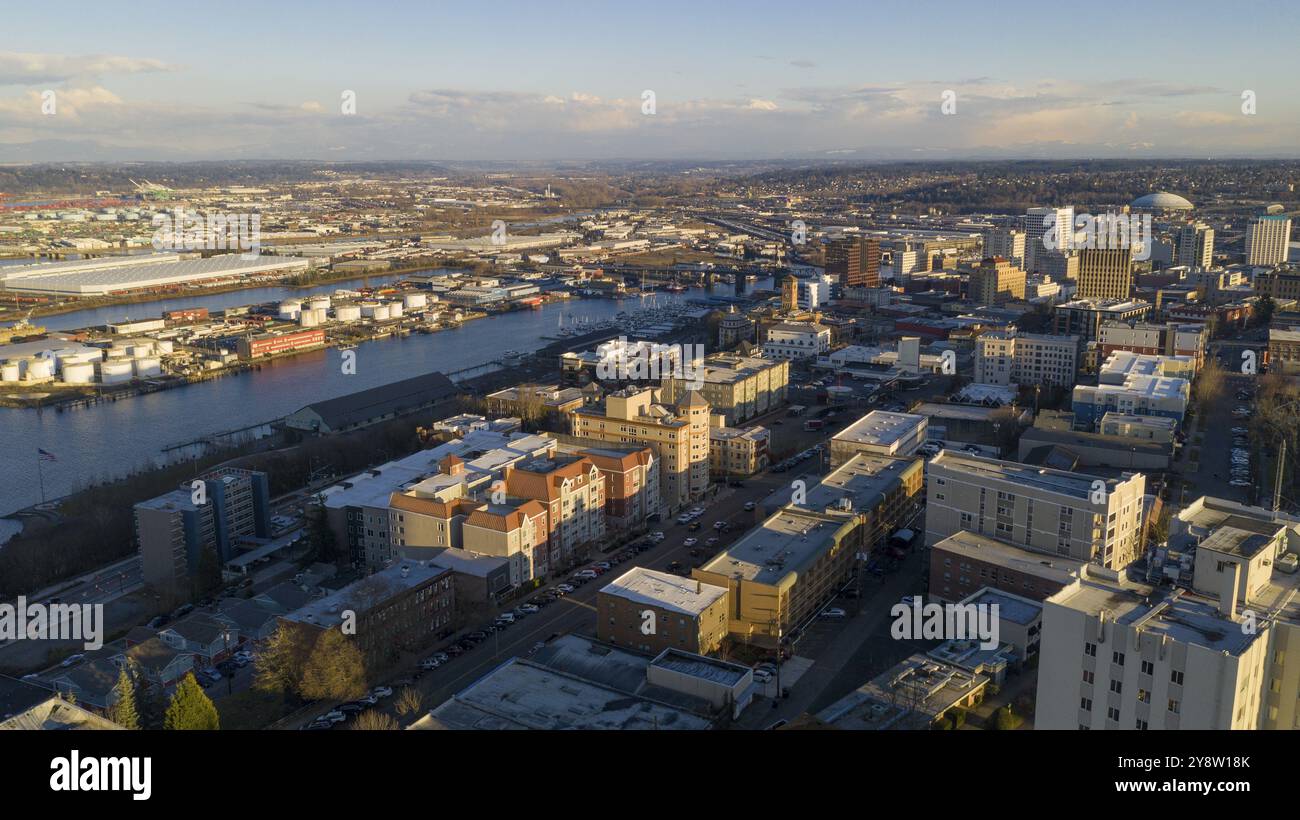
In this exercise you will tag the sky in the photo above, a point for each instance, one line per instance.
(647, 80)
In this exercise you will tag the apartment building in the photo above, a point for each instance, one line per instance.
(1284, 349)
(652, 611)
(880, 433)
(1008, 357)
(736, 387)
(402, 608)
(632, 483)
(1268, 238)
(1138, 385)
(966, 562)
(996, 280)
(735, 452)
(1278, 284)
(571, 490)
(677, 433)
(1217, 654)
(1053, 512)
(1195, 246)
(1169, 339)
(782, 571)
(1083, 317)
(796, 340)
(176, 530)
(517, 532)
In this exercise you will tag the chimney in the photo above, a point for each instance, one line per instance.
(698, 587)
(1228, 590)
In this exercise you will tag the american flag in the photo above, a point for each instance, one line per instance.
(45, 455)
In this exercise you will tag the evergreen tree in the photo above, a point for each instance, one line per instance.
(335, 670)
(190, 707)
(123, 711)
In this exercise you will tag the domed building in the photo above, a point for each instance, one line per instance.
(1161, 201)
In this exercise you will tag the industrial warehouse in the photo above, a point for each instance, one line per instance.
(101, 277)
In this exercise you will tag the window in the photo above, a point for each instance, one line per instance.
(1144, 696)
(1141, 724)
(1090, 649)
(1176, 677)
(1117, 658)
(1117, 686)
(1112, 713)
(1173, 706)
(1148, 668)
(1085, 704)
(1087, 676)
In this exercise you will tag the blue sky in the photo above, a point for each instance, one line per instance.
(564, 80)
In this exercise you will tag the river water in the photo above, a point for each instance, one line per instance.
(109, 440)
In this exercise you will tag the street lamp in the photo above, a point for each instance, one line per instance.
(230, 683)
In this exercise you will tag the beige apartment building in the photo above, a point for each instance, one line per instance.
(516, 532)
(996, 280)
(1053, 512)
(678, 434)
(571, 491)
(1267, 239)
(1007, 357)
(1219, 655)
(683, 613)
(736, 387)
(735, 453)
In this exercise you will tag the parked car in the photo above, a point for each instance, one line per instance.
(690, 542)
(749, 505)
(834, 612)
(529, 609)
(334, 716)
(382, 691)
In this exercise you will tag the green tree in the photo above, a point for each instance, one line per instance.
(335, 669)
(190, 707)
(1264, 309)
(123, 711)
(280, 665)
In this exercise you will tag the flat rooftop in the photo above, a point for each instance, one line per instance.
(706, 669)
(864, 479)
(650, 587)
(1011, 608)
(978, 468)
(1152, 387)
(361, 596)
(1000, 553)
(881, 428)
(785, 543)
(1181, 615)
(962, 412)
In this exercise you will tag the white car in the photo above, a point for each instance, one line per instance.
(762, 676)
(530, 609)
(749, 505)
(565, 588)
(834, 612)
(506, 618)
(658, 536)
(334, 717)
(690, 542)
(381, 692)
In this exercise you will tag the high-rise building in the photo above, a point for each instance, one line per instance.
(1053, 512)
(855, 260)
(1044, 227)
(789, 294)
(1196, 245)
(1215, 653)
(996, 280)
(1008, 243)
(1105, 273)
(1267, 239)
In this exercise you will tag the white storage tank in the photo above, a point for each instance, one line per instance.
(347, 313)
(79, 373)
(142, 351)
(147, 368)
(39, 369)
(320, 303)
(166, 346)
(115, 371)
(368, 309)
(414, 300)
(307, 318)
(10, 372)
(289, 310)
(381, 313)
(394, 310)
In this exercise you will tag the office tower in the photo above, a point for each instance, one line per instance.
(855, 260)
(1267, 239)
(996, 280)
(1008, 243)
(1044, 226)
(1196, 245)
(1105, 273)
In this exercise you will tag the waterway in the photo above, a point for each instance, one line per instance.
(109, 440)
